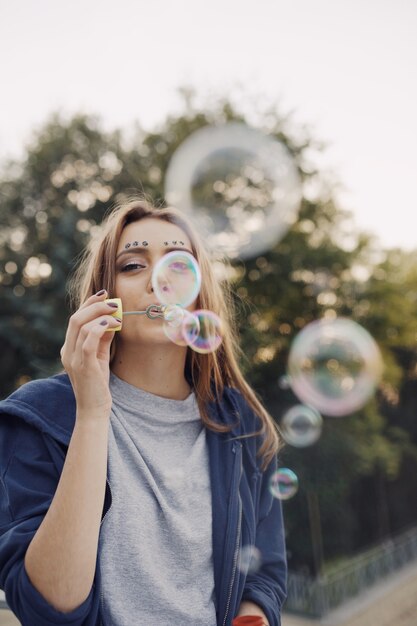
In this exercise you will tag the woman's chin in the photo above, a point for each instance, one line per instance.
(154, 336)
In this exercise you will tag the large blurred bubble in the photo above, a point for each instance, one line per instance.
(241, 186)
(334, 366)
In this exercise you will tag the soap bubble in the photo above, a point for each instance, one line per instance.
(250, 560)
(301, 425)
(176, 278)
(173, 314)
(283, 484)
(200, 330)
(209, 336)
(241, 186)
(334, 366)
(174, 331)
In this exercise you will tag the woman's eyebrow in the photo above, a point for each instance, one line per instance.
(143, 250)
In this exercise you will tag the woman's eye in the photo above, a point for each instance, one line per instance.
(178, 266)
(132, 265)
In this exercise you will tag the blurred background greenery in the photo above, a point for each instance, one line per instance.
(358, 482)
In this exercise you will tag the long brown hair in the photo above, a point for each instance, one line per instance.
(209, 372)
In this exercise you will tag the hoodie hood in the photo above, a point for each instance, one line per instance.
(47, 404)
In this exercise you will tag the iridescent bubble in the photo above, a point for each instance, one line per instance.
(175, 332)
(334, 366)
(283, 484)
(250, 560)
(209, 336)
(301, 425)
(176, 278)
(173, 314)
(241, 186)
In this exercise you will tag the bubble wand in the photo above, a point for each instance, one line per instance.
(152, 311)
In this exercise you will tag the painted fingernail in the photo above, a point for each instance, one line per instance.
(101, 292)
(103, 323)
(113, 305)
(118, 320)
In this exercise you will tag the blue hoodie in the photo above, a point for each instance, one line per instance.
(36, 423)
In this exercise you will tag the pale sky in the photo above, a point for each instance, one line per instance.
(347, 68)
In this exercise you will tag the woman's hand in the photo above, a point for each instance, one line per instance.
(250, 608)
(85, 356)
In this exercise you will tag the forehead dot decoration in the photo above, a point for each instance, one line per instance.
(134, 244)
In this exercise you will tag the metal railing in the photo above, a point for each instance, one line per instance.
(317, 596)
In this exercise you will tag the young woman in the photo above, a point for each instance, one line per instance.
(132, 484)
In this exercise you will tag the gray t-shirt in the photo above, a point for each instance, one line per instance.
(156, 539)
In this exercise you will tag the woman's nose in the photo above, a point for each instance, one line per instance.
(149, 288)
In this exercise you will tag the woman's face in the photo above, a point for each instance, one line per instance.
(134, 267)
